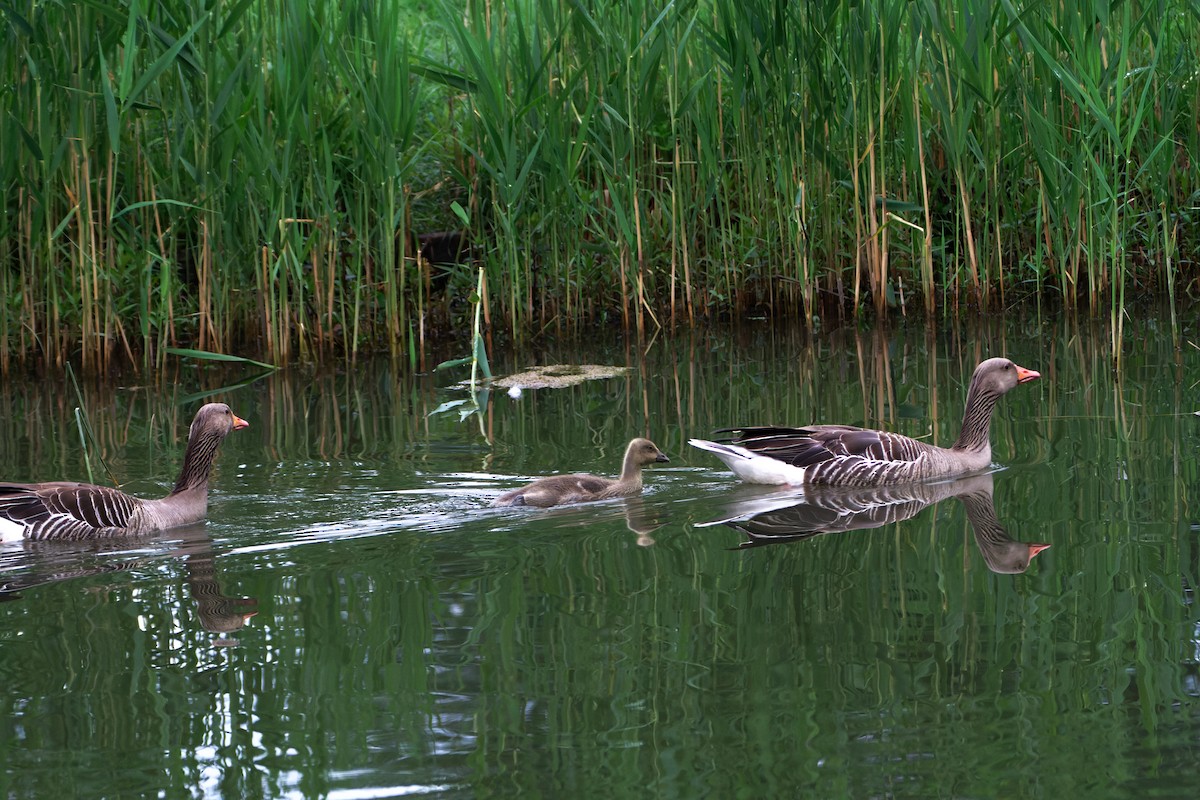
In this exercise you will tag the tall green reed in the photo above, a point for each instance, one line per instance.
(188, 167)
(250, 176)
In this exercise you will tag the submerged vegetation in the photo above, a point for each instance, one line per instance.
(259, 176)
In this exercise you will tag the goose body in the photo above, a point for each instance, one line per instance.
(843, 455)
(581, 487)
(64, 510)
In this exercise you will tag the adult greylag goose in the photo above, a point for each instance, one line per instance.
(62, 510)
(580, 488)
(793, 517)
(842, 455)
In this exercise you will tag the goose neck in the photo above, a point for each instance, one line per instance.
(977, 421)
(197, 463)
(631, 471)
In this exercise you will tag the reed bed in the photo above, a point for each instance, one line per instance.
(254, 177)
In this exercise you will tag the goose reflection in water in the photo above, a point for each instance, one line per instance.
(63, 560)
(642, 521)
(775, 518)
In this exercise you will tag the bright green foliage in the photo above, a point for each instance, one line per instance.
(205, 174)
(253, 174)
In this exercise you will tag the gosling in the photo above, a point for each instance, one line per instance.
(582, 488)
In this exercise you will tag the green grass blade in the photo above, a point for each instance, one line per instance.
(206, 355)
(160, 65)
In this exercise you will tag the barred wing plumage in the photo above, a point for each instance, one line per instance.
(66, 510)
(836, 455)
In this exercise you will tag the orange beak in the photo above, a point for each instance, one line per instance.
(1026, 375)
(239, 423)
(1034, 549)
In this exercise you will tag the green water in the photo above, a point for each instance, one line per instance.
(407, 639)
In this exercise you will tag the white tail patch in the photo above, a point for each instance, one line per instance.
(752, 467)
(11, 531)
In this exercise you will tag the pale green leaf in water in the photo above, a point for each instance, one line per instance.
(446, 406)
(481, 357)
(454, 362)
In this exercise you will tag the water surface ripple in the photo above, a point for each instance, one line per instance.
(356, 621)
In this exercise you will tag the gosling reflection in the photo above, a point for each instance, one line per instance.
(642, 521)
(61, 561)
(776, 519)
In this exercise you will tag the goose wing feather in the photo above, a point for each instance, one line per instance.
(803, 447)
(804, 521)
(591, 484)
(66, 510)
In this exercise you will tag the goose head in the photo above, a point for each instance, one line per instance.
(643, 452)
(998, 376)
(215, 419)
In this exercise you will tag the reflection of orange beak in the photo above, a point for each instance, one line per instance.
(1034, 549)
(1026, 375)
(239, 423)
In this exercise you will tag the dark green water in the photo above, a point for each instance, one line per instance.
(410, 640)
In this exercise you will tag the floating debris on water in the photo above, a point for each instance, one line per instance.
(557, 376)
